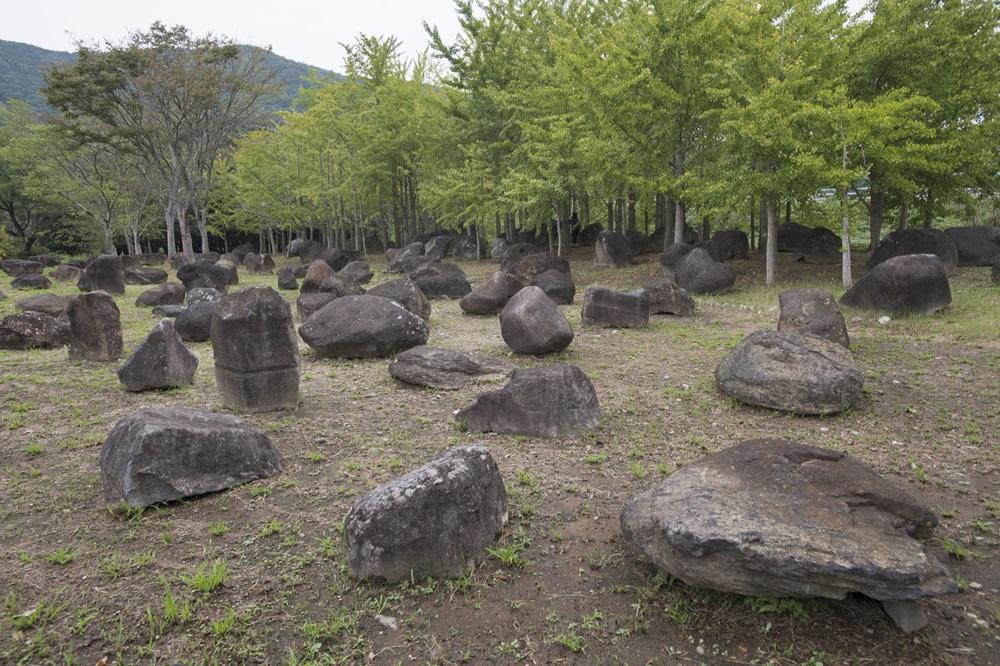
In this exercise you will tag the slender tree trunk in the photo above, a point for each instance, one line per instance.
(788, 212)
(706, 228)
(669, 213)
(679, 217)
(753, 238)
(929, 210)
(631, 210)
(762, 224)
(876, 211)
(771, 253)
(845, 232)
(202, 217)
(904, 215)
(168, 214)
(187, 246)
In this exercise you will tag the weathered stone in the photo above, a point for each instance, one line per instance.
(308, 304)
(441, 368)
(31, 281)
(66, 273)
(774, 518)
(204, 274)
(46, 260)
(103, 273)
(318, 271)
(549, 401)
(490, 296)
(731, 244)
(145, 276)
(95, 327)
(203, 295)
(499, 249)
(469, 247)
(363, 327)
(334, 258)
(452, 285)
(19, 267)
(557, 285)
(792, 236)
(306, 250)
(588, 235)
(667, 297)
(256, 353)
(916, 241)
(533, 265)
(915, 283)
(812, 311)
(242, 250)
(50, 304)
(531, 323)
(253, 262)
(673, 255)
(165, 454)
(406, 293)
(793, 372)
(514, 253)
(612, 249)
(976, 245)
(698, 273)
(822, 246)
(356, 272)
(161, 361)
(434, 521)
(906, 613)
(610, 308)
(163, 294)
(403, 260)
(267, 264)
(436, 248)
(33, 330)
(286, 279)
(434, 268)
(231, 266)
(195, 323)
(171, 311)
(339, 287)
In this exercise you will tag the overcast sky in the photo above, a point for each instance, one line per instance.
(309, 31)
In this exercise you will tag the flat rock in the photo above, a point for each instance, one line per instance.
(363, 327)
(530, 266)
(549, 401)
(171, 311)
(50, 304)
(793, 372)
(492, 295)
(441, 368)
(31, 281)
(161, 361)
(197, 295)
(165, 454)
(145, 276)
(33, 330)
(914, 283)
(976, 245)
(162, 294)
(19, 267)
(95, 327)
(611, 308)
(531, 323)
(812, 311)
(667, 297)
(356, 272)
(405, 292)
(434, 521)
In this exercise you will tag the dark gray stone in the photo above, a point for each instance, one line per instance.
(161, 361)
(731, 244)
(976, 245)
(166, 454)
(812, 311)
(256, 353)
(529, 267)
(308, 304)
(171, 311)
(673, 255)
(19, 267)
(203, 295)
(204, 274)
(66, 273)
(195, 323)
(698, 273)
(286, 279)
(531, 323)
(437, 248)
(588, 235)
(334, 258)
(793, 372)
(441, 368)
(667, 297)
(406, 293)
(610, 308)
(822, 246)
(513, 253)
(557, 285)
(50, 304)
(434, 521)
(33, 330)
(145, 276)
(95, 327)
(230, 265)
(164, 294)
(914, 283)
(404, 259)
(306, 250)
(612, 249)
(499, 249)
(356, 272)
(452, 285)
(363, 327)
(318, 271)
(916, 241)
(469, 247)
(549, 401)
(338, 286)
(31, 281)
(489, 297)
(103, 273)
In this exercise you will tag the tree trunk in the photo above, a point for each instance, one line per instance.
(168, 214)
(679, 214)
(845, 233)
(202, 217)
(771, 253)
(876, 211)
(669, 213)
(706, 228)
(762, 224)
(753, 239)
(904, 215)
(788, 212)
(929, 210)
(187, 246)
(631, 210)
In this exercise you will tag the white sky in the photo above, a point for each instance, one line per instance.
(309, 31)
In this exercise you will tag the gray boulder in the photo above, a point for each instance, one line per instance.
(436, 248)
(286, 278)
(451, 285)
(356, 272)
(612, 249)
(550, 401)
(731, 244)
(812, 311)
(793, 372)
(31, 281)
(161, 361)
(205, 274)
(19, 267)
(492, 295)
(557, 285)
(95, 327)
(406, 293)
(673, 255)
(308, 304)
(698, 273)
(916, 241)
(66, 273)
(256, 353)
(318, 271)
(103, 273)
(499, 249)
(441, 368)
(145, 276)
(529, 267)
(195, 323)
(50, 304)
(531, 323)
(363, 327)
(198, 295)
(165, 454)
(33, 330)
(170, 311)
(404, 259)
(914, 283)
(619, 309)
(163, 294)
(976, 245)
(774, 518)
(667, 297)
(434, 521)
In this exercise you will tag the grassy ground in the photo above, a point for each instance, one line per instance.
(257, 574)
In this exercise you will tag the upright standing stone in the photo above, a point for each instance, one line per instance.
(612, 249)
(103, 273)
(531, 323)
(95, 327)
(256, 355)
(607, 307)
(812, 311)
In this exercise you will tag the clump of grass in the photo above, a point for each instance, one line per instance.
(207, 576)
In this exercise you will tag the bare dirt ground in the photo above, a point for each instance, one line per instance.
(257, 574)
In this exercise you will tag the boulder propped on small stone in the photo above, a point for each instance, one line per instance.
(612, 249)
(165, 454)
(976, 245)
(812, 311)
(103, 273)
(667, 297)
(256, 353)
(95, 327)
(619, 309)
(33, 330)
(916, 241)
(450, 285)
(793, 372)
(774, 518)
(698, 273)
(406, 293)
(434, 521)
(286, 278)
(531, 323)
(441, 368)
(31, 281)
(550, 401)
(163, 294)
(363, 327)
(318, 271)
(50, 304)
(160, 362)
(557, 285)
(195, 323)
(914, 283)
(489, 297)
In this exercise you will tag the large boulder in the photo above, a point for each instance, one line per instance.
(821, 246)
(793, 372)
(334, 258)
(914, 283)
(612, 249)
(673, 255)
(489, 297)
(95, 327)
(557, 285)
(531, 323)
(434, 521)
(356, 272)
(103, 273)
(363, 327)
(46, 260)
(309, 304)
(976, 245)
(306, 250)
(469, 247)
(451, 285)
(168, 453)
(406, 293)
(731, 244)
(318, 271)
(253, 263)
(31, 281)
(499, 249)
(812, 311)
(667, 297)
(994, 272)
(588, 235)
(66, 273)
(33, 330)
(256, 353)
(203, 295)
(163, 294)
(774, 518)
(434, 268)
(698, 273)
(792, 236)
(405, 259)
(286, 279)
(619, 309)
(916, 241)
(437, 248)
(441, 368)
(337, 286)
(142, 275)
(161, 361)
(513, 253)
(50, 304)
(19, 267)
(529, 267)
(204, 274)
(549, 401)
(195, 323)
